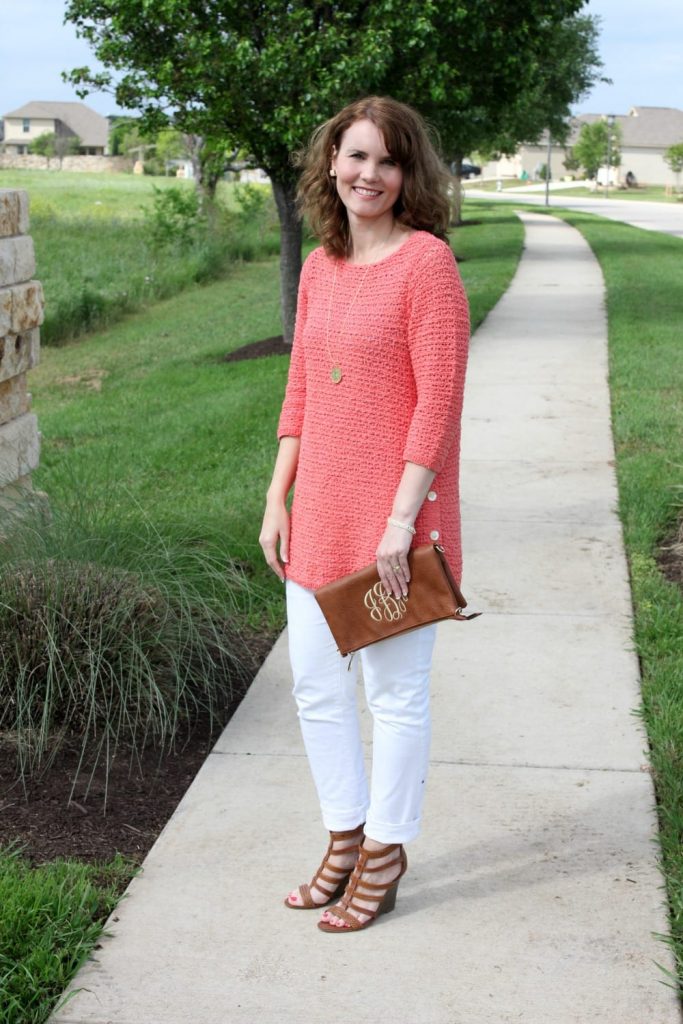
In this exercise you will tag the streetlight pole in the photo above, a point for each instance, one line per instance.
(611, 118)
(547, 169)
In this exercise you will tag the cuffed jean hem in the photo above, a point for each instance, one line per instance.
(383, 833)
(343, 821)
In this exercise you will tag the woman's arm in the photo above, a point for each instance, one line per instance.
(438, 337)
(275, 525)
(395, 543)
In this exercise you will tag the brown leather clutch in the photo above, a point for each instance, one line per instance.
(359, 611)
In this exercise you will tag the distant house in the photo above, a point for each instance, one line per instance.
(26, 123)
(646, 133)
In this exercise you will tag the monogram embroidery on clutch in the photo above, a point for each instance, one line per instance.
(384, 605)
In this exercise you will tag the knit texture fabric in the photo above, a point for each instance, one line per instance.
(402, 347)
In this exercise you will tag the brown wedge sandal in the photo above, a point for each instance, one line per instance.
(384, 894)
(338, 879)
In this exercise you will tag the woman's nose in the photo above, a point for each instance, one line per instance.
(370, 172)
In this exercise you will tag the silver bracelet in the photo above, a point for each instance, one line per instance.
(404, 526)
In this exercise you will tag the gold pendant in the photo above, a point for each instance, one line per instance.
(336, 374)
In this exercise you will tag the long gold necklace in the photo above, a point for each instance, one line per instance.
(336, 371)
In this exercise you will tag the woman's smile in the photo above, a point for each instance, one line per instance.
(367, 193)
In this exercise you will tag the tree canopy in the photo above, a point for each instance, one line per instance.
(596, 141)
(261, 75)
(674, 158)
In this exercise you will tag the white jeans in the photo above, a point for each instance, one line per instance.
(396, 675)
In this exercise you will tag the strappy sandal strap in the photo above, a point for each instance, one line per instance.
(305, 894)
(359, 888)
(332, 852)
(334, 877)
(349, 919)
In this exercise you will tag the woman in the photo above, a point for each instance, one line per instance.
(369, 428)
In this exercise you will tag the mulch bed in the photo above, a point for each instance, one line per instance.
(138, 802)
(123, 812)
(274, 346)
(670, 560)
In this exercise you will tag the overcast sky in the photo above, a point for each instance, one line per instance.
(641, 46)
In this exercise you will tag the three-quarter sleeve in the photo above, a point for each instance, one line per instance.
(438, 341)
(292, 413)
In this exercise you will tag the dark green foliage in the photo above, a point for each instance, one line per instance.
(111, 633)
(595, 143)
(175, 218)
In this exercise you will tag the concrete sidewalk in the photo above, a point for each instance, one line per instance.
(533, 894)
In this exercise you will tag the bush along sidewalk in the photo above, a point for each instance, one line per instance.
(115, 636)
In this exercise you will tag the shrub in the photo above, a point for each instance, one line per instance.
(111, 634)
(175, 217)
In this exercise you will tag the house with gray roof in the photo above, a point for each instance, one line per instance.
(646, 134)
(38, 117)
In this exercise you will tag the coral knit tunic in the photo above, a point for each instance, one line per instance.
(399, 330)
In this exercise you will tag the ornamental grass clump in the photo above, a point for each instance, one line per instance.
(121, 639)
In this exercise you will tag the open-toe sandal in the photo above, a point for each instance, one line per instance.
(384, 894)
(327, 873)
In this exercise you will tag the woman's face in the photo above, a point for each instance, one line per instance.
(368, 180)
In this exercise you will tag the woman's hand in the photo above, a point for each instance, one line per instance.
(392, 552)
(275, 527)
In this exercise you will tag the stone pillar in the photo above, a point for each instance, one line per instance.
(21, 313)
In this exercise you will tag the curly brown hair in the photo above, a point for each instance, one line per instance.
(423, 203)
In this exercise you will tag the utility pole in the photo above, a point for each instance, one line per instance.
(547, 169)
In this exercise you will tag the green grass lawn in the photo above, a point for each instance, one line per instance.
(101, 197)
(146, 420)
(94, 253)
(50, 918)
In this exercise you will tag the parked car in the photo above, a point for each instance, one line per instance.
(469, 170)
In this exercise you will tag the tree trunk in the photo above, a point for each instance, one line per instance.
(204, 184)
(456, 216)
(290, 254)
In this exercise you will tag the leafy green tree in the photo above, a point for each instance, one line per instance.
(66, 144)
(591, 147)
(502, 73)
(59, 144)
(170, 145)
(571, 162)
(674, 158)
(135, 140)
(211, 158)
(120, 126)
(261, 75)
(43, 145)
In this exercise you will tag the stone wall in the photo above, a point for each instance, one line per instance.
(29, 161)
(21, 313)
